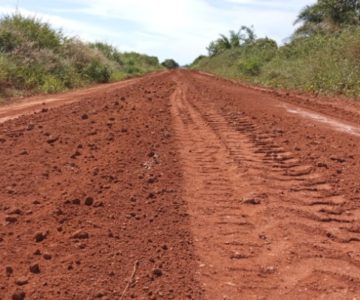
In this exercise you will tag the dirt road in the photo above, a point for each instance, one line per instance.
(34, 104)
(181, 185)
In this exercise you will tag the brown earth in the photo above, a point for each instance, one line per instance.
(180, 185)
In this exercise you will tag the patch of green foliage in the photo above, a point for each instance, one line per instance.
(323, 55)
(235, 40)
(245, 61)
(328, 16)
(34, 58)
(170, 64)
(326, 64)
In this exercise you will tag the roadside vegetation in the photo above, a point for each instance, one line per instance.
(170, 64)
(35, 58)
(322, 56)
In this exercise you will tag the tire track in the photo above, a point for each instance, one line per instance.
(266, 226)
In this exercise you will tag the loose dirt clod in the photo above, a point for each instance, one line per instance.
(9, 270)
(22, 281)
(10, 219)
(40, 236)
(157, 272)
(80, 235)
(35, 268)
(253, 201)
(89, 201)
(37, 252)
(19, 295)
(47, 256)
(52, 139)
(16, 211)
(76, 201)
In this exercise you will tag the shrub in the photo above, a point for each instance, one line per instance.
(97, 72)
(320, 63)
(51, 84)
(118, 75)
(250, 66)
(327, 64)
(199, 59)
(16, 29)
(170, 64)
(36, 58)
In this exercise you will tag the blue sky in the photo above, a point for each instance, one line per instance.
(179, 29)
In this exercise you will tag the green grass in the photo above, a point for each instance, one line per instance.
(35, 58)
(323, 63)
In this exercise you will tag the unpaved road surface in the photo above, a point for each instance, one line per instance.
(36, 103)
(181, 185)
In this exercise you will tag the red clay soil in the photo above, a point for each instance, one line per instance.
(180, 185)
(21, 106)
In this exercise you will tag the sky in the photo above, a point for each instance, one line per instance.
(178, 29)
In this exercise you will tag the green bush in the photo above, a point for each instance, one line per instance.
(251, 66)
(327, 64)
(319, 63)
(51, 84)
(170, 64)
(36, 58)
(5, 67)
(16, 29)
(322, 57)
(95, 71)
(118, 75)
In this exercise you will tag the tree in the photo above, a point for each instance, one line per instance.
(236, 39)
(249, 35)
(170, 64)
(212, 49)
(16, 30)
(223, 42)
(108, 50)
(328, 16)
(198, 59)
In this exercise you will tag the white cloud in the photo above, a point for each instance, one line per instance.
(172, 28)
(276, 3)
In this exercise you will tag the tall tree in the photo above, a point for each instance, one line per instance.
(224, 42)
(170, 64)
(247, 34)
(236, 39)
(327, 16)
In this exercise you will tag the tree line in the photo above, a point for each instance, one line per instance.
(323, 17)
(321, 56)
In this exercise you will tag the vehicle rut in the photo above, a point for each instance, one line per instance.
(266, 226)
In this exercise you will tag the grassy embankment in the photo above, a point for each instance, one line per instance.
(325, 61)
(35, 58)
